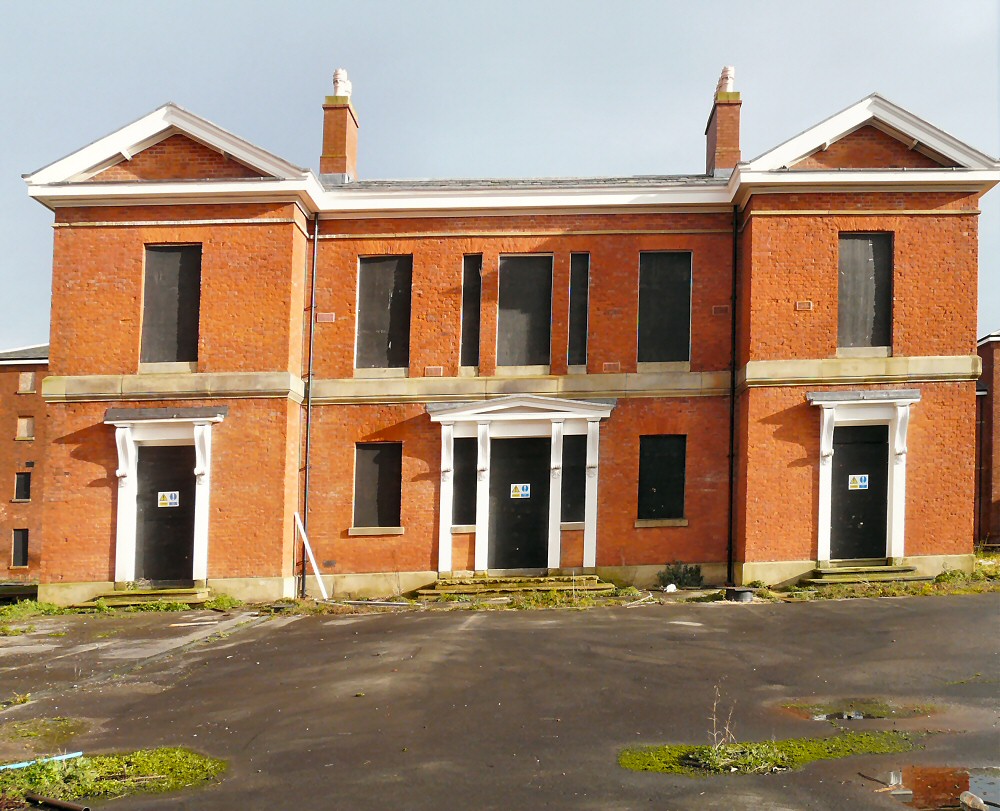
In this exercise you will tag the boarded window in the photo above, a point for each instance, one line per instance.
(19, 556)
(579, 295)
(378, 482)
(22, 486)
(171, 299)
(384, 284)
(472, 290)
(664, 307)
(524, 321)
(574, 477)
(25, 382)
(661, 476)
(864, 315)
(25, 427)
(466, 457)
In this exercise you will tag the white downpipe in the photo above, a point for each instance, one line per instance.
(312, 560)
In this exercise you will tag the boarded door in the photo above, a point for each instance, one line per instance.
(860, 488)
(519, 518)
(164, 542)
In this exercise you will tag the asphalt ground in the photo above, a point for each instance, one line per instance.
(512, 710)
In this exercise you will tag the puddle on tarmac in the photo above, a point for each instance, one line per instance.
(858, 709)
(936, 788)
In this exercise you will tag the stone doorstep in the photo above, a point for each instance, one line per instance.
(603, 588)
(539, 581)
(833, 571)
(118, 599)
(866, 578)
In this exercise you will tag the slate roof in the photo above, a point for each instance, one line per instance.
(472, 184)
(39, 352)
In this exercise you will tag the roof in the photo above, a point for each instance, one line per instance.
(38, 353)
(472, 184)
(990, 338)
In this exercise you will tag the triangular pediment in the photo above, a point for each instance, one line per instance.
(872, 134)
(522, 407)
(168, 144)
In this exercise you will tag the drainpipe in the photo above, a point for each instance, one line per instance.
(309, 397)
(730, 545)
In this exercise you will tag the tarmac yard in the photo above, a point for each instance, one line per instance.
(515, 710)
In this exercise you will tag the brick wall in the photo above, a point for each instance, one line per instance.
(177, 158)
(868, 148)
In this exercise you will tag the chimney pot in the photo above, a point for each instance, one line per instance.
(722, 135)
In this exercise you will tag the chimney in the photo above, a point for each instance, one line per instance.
(340, 131)
(723, 131)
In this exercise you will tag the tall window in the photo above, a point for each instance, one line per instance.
(378, 482)
(25, 428)
(574, 477)
(22, 487)
(465, 459)
(384, 285)
(171, 300)
(864, 296)
(664, 306)
(25, 382)
(579, 295)
(661, 476)
(472, 290)
(19, 553)
(524, 321)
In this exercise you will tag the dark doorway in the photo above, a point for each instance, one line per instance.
(164, 532)
(860, 489)
(519, 521)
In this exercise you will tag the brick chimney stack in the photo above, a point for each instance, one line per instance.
(340, 131)
(722, 134)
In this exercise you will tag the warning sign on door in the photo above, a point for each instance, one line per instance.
(168, 498)
(520, 491)
(858, 481)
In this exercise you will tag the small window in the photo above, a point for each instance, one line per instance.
(384, 285)
(661, 476)
(524, 320)
(472, 291)
(378, 482)
(171, 300)
(22, 487)
(574, 477)
(25, 427)
(864, 295)
(664, 307)
(579, 295)
(26, 383)
(465, 461)
(19, 555)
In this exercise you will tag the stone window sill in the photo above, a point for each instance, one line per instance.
(20, 501)
(375, 531)
(663, 366)
(660, 522)
(26, 391)
(523, 371)
(458, 529)
(864, 352)
(167, 368)
(383, 373)
(23, 438)
(571, 525)
(17, 568)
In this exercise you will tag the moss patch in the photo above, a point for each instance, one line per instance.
(759, 757)
(117, 775)
(42, 733)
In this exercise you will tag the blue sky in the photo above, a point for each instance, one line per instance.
(469, 88)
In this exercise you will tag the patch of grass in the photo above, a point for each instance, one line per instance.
(10, 630)
(222, 602)
(49, 733)
(711, 597)
(26, 609)
(762, 756)
(158, 605)
(117, 775)
(57, 634)
(15, 700)
(680, 575)
(869, 707)
(630, 592)
(530, 600)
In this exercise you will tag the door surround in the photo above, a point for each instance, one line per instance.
(516, 416)
(879, 407)
(135, 427)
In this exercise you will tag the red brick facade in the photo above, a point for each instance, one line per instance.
(278, 411)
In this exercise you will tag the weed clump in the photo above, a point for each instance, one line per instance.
(681, 575)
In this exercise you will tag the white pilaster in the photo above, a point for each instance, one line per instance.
(555, 494)
(447, 496)
(827, 421)
(482, 495)
(127, 491)
(897, 481)
(590, 500)
(202, 489)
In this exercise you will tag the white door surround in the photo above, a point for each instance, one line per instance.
(510, 417)
(885, 407)
(135, 427)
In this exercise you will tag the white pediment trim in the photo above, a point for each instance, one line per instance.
(886, 116)
(151, 129)
(523, 408)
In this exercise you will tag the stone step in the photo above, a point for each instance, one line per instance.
(539, 580)
(858, 579)
(834, 571)
(125, 598)
(513, 588)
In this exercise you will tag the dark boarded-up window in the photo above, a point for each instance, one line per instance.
(524, 322)
(384, 284)
(464, 500)
(579, 294)
(574, 477)
(19, 556)
(472, 288)
(378, 482)
(661, 476)
(22, 486)
(864, 315)
(171, 300)
(664, 306)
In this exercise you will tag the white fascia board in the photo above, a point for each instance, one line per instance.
(165, 121)
(523, 407)
(874, 108)
(25, 362)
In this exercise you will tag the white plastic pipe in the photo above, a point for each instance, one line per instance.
(312, 560)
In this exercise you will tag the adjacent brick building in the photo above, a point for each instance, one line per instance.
(763, 368)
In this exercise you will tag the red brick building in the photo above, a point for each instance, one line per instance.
(513, 375)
